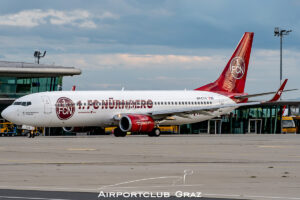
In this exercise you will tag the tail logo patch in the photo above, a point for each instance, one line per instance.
(237, 67)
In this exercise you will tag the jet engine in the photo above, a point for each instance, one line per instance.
(136, 123)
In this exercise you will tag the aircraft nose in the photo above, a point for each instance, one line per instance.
(6, 114)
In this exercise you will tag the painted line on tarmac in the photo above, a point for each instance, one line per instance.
(81, 149)
(251, 196)
(33, 198)
(50, 188)
(154, 186)
(94, 190)
(274, 146)
(268, 197)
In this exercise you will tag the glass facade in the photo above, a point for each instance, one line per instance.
(15, 87)
(265, 119)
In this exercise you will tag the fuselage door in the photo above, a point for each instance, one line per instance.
(47, 104)
(222, 101)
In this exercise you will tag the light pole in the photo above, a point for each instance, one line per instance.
(280, 33)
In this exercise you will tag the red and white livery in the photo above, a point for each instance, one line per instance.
(139, 111)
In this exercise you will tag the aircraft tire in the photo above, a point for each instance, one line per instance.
(123, 134)
(119, 133)
(156, 132)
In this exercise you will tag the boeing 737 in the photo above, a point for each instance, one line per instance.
(140, 111)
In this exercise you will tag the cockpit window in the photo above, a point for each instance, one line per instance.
(22, 103)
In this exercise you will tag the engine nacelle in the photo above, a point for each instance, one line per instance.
(78, 129)
(136, 123)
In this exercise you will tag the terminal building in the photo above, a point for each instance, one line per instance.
(18, 79)
(266, 119)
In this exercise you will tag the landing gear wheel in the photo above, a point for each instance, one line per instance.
(123, 134)
(119, 133)
(154, 133)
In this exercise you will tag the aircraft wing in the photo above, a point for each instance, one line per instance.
(281, 103)
(200, 109)
(277, 93)
(208, 109)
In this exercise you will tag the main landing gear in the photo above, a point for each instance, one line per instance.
(154, 133)
(119, 133)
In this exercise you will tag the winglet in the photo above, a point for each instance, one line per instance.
(279, 92)
(73, 88)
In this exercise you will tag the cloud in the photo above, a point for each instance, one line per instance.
(134, 61)
(36, 17)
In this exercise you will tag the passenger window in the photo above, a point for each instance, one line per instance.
(28, 103)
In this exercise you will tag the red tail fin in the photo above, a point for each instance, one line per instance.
(279, 91)
(233, 77)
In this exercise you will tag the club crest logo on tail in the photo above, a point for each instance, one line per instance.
(237, 67)
(65, 108)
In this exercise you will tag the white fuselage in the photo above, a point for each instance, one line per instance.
(99, 108)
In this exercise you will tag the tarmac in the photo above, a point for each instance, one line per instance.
(217, 166)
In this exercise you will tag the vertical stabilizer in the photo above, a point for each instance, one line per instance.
(233, 77)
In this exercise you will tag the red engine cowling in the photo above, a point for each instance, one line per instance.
(136, 123)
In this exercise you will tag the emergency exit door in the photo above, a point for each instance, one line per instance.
(47, 104)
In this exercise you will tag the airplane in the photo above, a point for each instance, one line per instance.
(141, 111)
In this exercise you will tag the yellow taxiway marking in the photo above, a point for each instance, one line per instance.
(80, 149)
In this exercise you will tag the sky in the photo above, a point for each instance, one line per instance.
(153, 44)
